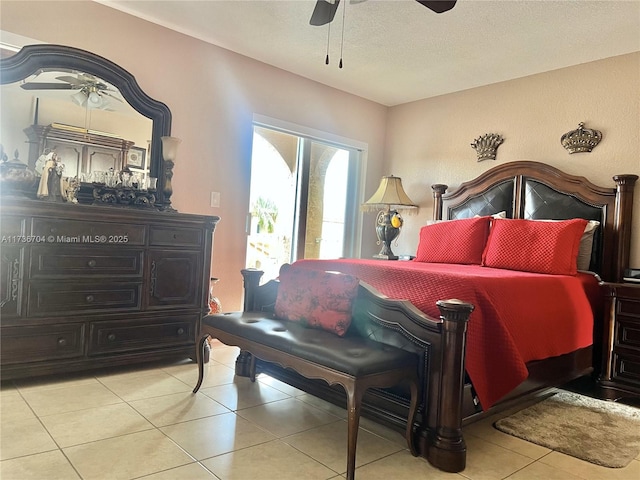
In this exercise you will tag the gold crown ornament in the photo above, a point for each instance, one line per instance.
(581, 140)
(486, 146)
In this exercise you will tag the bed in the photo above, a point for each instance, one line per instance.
(454, 392)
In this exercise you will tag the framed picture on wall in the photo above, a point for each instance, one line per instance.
(136, 158)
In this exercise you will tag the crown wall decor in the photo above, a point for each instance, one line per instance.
(486, 146)
(581, 140)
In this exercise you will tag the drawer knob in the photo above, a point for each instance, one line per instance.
(62, 342)
(89, 298)
(92, 263)
(111, 337)
(181, 331)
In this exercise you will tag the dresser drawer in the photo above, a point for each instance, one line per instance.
(629, 307)
(49, 298)
(109, 337)
(75, 231)
(628, 334)
(626, 368)
(12, 227)
(85, 261)
(32, 344)
(175, 237)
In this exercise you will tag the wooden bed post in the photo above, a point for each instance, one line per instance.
(624, 207)
(251, 282)
(446, 448)
(438, 190)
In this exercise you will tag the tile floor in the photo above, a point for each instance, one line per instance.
(145, 423)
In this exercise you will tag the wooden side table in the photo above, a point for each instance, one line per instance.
(620, 374)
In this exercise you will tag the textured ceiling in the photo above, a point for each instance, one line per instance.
(397, 51)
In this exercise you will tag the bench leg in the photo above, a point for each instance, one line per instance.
(200, 358)
(354, 404)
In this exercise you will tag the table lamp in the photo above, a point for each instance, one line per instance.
(389, 199)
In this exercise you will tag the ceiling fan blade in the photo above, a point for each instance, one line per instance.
(48, 86)
(438, 6)
(111, 96)
(323, 12)
(71, 80)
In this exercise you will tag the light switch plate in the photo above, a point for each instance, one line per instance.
(215, 199)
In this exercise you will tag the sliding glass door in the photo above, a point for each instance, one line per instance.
(302, 200)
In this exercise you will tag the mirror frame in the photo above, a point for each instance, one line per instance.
(31, 58)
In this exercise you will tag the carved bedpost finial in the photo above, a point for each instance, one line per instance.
(486, 146)
(581, 140)
(438, 190)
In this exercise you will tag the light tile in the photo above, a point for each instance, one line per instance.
(55, 381)
(24, 437)
(269, 461)
(589, 471)
(277, 384)
(50, 465)
(243, 393)
(50, 401)
(328, 445)
(387, 433)
(214, 374)
(487, 461)
(402, 465)
(541, 471)
(153, 384)
(216, 435)
(126, 457)
(13, 407)
(74, 428)
(226, 355)
(286, 417)
(317, 402)
(193, 471)
(178, 407)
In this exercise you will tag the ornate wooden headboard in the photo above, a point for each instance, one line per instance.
(533, 190)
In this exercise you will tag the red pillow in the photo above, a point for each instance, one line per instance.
(530, 246)
(454, 241)
(317, 299)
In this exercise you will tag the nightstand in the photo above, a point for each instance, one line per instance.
(620, 374)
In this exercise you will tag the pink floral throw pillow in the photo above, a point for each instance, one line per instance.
(317, 299)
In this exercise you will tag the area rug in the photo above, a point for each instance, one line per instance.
(597, 431)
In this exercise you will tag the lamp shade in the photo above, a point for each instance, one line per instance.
(390, 192)
(170, 147)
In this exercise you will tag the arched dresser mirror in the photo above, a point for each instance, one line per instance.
(104, 284)
(46, 71)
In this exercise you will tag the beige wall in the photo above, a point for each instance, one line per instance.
(428, 141)
(214, 93)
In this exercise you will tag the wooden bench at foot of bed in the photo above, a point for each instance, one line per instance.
(383, 331)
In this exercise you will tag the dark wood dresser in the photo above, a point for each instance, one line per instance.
(620, 374)
(90, 286)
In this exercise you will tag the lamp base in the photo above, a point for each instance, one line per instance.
(381, 256)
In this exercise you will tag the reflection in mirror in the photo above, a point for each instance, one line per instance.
(86, 112)
(41, 114)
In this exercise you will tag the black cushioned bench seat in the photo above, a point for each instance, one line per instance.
(355, 362)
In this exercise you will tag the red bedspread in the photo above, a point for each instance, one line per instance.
(518, 316)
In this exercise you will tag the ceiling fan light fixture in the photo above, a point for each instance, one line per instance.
(94, 100)
(79, 98)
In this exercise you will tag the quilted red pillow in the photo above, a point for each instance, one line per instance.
(455, 241)
(530, 246)
(317, 299)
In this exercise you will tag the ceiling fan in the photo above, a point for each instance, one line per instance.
(325, 10)
(90, 89)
